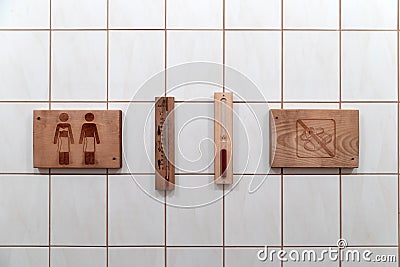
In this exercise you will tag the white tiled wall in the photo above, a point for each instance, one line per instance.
(111, 54)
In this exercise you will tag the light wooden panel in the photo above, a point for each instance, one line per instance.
(314, 138)
(164, 143)
(223, 135)
(77, 138)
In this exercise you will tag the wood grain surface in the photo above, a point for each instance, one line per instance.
(223, 134)
(77, 138)
(314, 138)
(164, 143)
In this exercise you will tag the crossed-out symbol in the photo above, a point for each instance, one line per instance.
(315, 139)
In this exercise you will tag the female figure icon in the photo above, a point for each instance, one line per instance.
(63, 137)
(89, 137)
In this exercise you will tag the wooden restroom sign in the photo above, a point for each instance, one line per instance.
(77, 138)
(164, 143)
(314, 138)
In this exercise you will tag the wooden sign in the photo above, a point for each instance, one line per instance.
(77, 138)
(164, 143)
(223, 133)
(314, 138)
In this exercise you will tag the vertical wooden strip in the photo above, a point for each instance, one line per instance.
(223, 135)
(164, 143)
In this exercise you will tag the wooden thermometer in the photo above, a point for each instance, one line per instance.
(164, 143)
(223, 132)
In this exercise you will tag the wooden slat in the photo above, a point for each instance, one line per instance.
(164, 138)
(314, 138)
(77, 139)
(223, 135)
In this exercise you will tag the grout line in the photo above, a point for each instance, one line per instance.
(193, 246)
(282, 85)
(50, 96)
(108, 55)
(340, 107)
(223, 225)
(282, 203)
(204, 174)
(223, 49)
(191, 102)
(193, 29)
(223, 90)
(49, 219)
(165, 228)
(107, 219)
(165, 51)
(165, 94)
(107, 107)
(398, 128)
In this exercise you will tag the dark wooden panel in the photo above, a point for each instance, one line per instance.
(77, 138)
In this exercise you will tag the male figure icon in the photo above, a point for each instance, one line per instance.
(89, 137)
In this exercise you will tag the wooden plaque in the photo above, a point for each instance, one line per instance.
(223, 133)
(164, 143)
(314, 138)
(77, 138)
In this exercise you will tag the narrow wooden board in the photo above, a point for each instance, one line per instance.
(223, 135)
(314, 138)
(164, 143)
(77, 139)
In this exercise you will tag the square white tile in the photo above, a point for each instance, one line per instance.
(79, 14)
(78, 257)
(25, 14)
(251, 138)
(136, 211)
(24, 257)
(196, 199)
(255, 59)
(377, 257)
(369, 14)
(239, 257)
(253, 211)
(378, 137)
(194, 138)
(79, 65)
(370, 209)
(369, 66)
(194, 80)
(136, 14)
(16, 143)
(311, 14)
(24, 68)
(311, 66)
(149, 257)
(136, 61)
(78, 210)
(194, 257)
(311, 210)
(245, 14)
(24, 205)
(318, 257)
(193, 14)
(137, 138)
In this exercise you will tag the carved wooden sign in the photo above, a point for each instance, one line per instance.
(164, 143)
(314, 138)
(77, 138)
